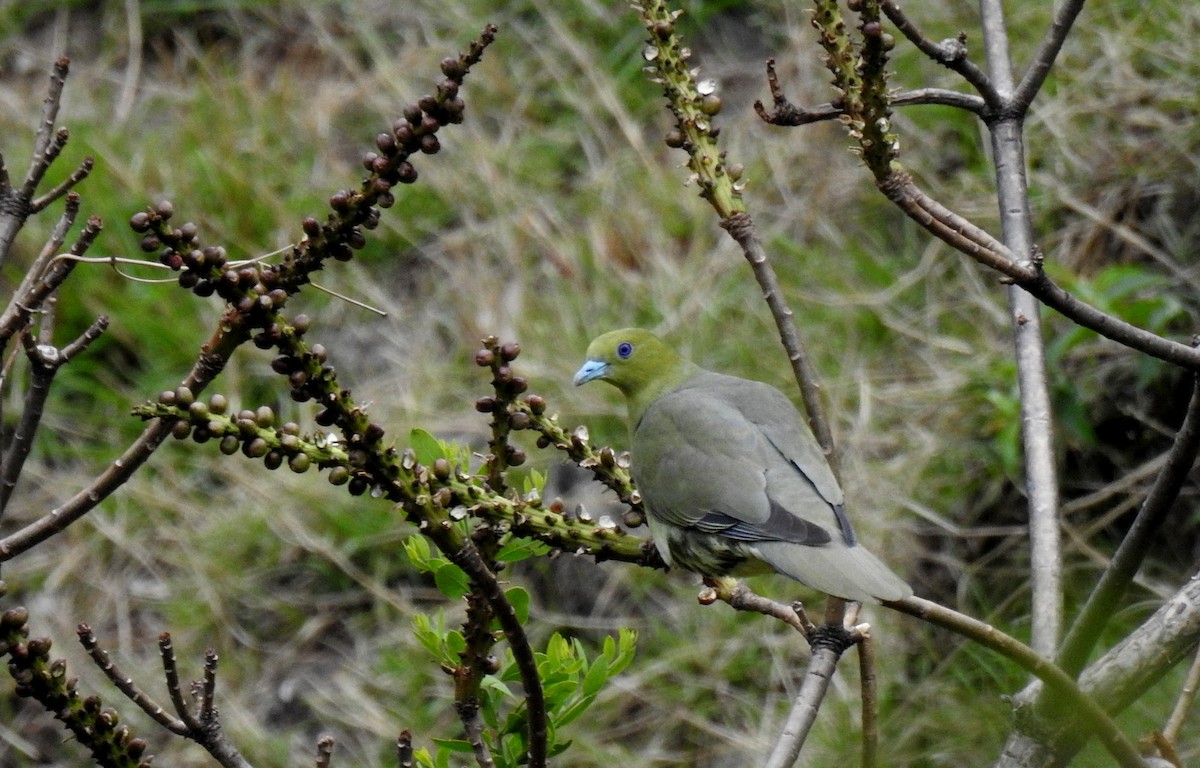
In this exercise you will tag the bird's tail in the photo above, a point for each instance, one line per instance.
(851, 573)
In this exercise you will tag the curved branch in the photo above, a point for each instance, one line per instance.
(988, 636)
(951, 53)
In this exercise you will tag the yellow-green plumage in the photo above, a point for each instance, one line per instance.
(731, 477)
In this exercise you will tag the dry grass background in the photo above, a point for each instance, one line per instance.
(555, 212)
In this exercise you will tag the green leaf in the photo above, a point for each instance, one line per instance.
(454, 745)
(596, 677)
(519, 599)
(451, 580)
(573, 711)
(557, 694)
(427, 447)
(416, 547)
(517, 548)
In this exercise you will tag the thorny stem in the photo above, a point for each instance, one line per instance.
(483, 580)
(720, 185)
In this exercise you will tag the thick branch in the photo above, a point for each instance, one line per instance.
(467, 557)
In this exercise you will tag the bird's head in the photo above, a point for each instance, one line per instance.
(636, 362)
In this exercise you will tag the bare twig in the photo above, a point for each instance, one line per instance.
(125, 684)
(870, 701)
(64, 186)
(47, 141)
(949, 53)
(828, 643)
(1136, 545)
(1047, 52)
(741, 598)
(741, 228)
(1183, 704)
(44, 362)
(324, 751)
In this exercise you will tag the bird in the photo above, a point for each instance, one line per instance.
(732, 480)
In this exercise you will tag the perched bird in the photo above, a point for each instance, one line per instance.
(732, 480)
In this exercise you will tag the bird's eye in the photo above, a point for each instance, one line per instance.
(624, 350)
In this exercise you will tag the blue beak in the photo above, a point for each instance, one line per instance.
(590, 371)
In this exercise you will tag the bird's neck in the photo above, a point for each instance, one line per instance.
(641, 396)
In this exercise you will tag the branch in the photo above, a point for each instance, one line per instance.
(870, 701)
(1046, 53)
(125, 684)
(44, 362)
(1102, 602)
(1183, 705)
(741, 229)
(828, 642)
(950, 53)
(741, 598)
(64, 186)
(1118, 678)
(47, 142)
(466, 556)
(988, 636)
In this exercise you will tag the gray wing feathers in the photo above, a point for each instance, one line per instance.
(733, 457)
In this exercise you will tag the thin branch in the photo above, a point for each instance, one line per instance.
(741, 598)
(207, 366)
(44, 362)
(125, 684)
(829, 642)
(741, 228)
(171, 674)
(324, 751)
(1083, 706)
(1183, 705)
(950, 53)
(37, 287)
(47, 142)
(64, 186)
(1102, 602)
(787, 113)
(208, 688)
(868, 686)
(1047, 52)
(940, 96)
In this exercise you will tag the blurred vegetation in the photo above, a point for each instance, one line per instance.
(555, 212)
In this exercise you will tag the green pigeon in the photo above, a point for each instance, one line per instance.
(732, 479)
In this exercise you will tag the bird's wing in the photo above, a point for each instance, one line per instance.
(707, 457)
